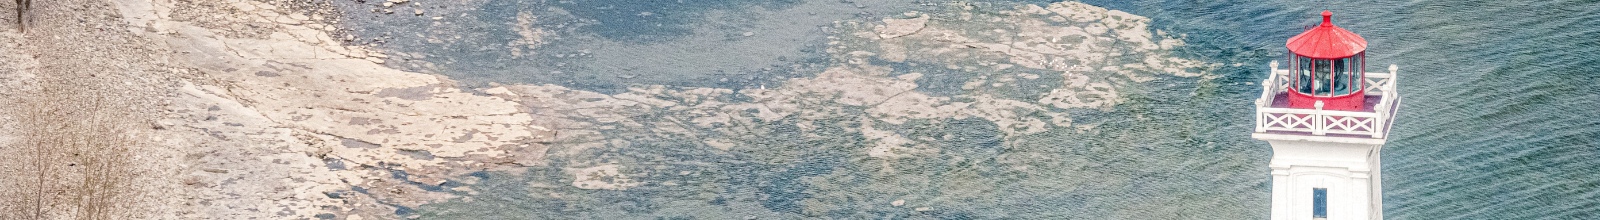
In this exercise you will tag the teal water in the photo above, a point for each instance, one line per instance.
(1500, 116)
(1500, 120)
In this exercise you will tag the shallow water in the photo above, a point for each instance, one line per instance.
(608, 45)
(1499, 120)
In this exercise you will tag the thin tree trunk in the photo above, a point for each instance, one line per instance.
(19, 16)
(22, 9)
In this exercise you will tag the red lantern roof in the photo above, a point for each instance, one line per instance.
(1327, 41)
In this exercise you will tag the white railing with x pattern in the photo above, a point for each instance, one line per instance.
(1322, 122)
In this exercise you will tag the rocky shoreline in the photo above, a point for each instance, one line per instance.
(258, 109)
(254, 111)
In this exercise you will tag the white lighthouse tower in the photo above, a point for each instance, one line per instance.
(1327, 119)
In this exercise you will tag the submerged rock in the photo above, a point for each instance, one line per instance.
(1020, 73)
(893, 28)
(606, 177)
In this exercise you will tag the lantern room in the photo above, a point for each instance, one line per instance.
(1327, 65)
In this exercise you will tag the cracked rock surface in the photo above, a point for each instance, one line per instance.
(259, 110)
(372, 140)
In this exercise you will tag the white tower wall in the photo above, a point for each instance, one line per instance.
(1330, 149)
(1349, 172)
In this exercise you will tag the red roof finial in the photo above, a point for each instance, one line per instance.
(1327, 18)
(1326, 41)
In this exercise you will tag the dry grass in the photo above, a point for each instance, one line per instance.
(76, 163)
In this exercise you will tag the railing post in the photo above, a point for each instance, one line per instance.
(1261, 121)
(1387, 102)
(1266, 96)
(1394, 77)
(1274, 66)
(1383, 114)
(1317, 122)
(1272, 75)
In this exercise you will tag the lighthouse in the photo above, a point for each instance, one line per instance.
(1326, 118)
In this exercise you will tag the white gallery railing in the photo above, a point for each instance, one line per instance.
(1322, 122)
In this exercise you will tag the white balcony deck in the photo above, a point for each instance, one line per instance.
(1275, 118)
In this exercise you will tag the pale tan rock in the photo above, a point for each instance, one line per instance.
(720, 144)
(500, 91)
(355, 52)
(529, 36)
(274, 157)
(285, 20)
(354, 111)
(243, 6)
(359, 112)
(603, 177)
(893, 28)
(265, 6)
